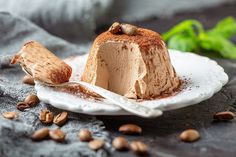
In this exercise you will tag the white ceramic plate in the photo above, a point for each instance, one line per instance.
(205, 77)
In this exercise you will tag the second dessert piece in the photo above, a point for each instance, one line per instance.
(42, 64)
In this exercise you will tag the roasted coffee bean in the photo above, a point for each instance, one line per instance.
(96, 144)
(85, 135)
(189, 135)
(27, 79)
(130, 129)
(22, 106)
(40, 134)
(115, 28)
(57, 135)
(120, 143)
(46, 116)
(61, 118)
(32, 100)
(224, 116)
(129, 29)
(9, 115)
(139, 148)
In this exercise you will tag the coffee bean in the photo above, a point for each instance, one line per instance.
(129, 29)
(57, 135)
(22, 106)
(32, 100)
(120, 143)
(85, 135)
(9, 115)
(46, 116)
(96, 144)
(224, 116)
(115, 28)
(40, 134)
(27, 79)
(189, 135)
(130, 129)
(139, 148)
(61, 118)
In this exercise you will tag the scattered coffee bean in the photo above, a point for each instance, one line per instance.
(22, 106)
(46, 116)
(40, 134)
(129, 29)
(139, 148)
(27, 79)
(32, 100)
(115, 28)
(9, 115)
(57, 135)
(189, 135)
(120, 143)
(224, 116)
(96, 144)
(130, 129)
(61, 118)
(85, 135)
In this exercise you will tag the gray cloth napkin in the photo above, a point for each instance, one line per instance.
(15, 134)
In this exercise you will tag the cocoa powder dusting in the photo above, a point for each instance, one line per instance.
(144, 38)
(80, 92)
(182, 85)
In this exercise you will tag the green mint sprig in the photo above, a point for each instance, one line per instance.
(190, 36)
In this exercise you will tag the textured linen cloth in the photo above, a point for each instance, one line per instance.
(15, 134)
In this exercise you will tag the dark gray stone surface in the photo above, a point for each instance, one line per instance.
(15, 134)
(218, 139)
(162, 134)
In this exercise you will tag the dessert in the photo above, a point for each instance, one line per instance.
(42, 64)
(133, 62)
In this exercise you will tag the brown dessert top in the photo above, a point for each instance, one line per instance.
(144, 38)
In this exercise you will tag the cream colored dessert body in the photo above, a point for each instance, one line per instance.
(136, 66)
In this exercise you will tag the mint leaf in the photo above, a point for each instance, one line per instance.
(225, 21)
(182, 42)
(218, 44)
(186, 27)
(225, 28)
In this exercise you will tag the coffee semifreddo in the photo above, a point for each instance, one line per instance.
(135, 66)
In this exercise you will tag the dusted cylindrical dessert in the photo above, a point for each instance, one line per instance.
(135, 65)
